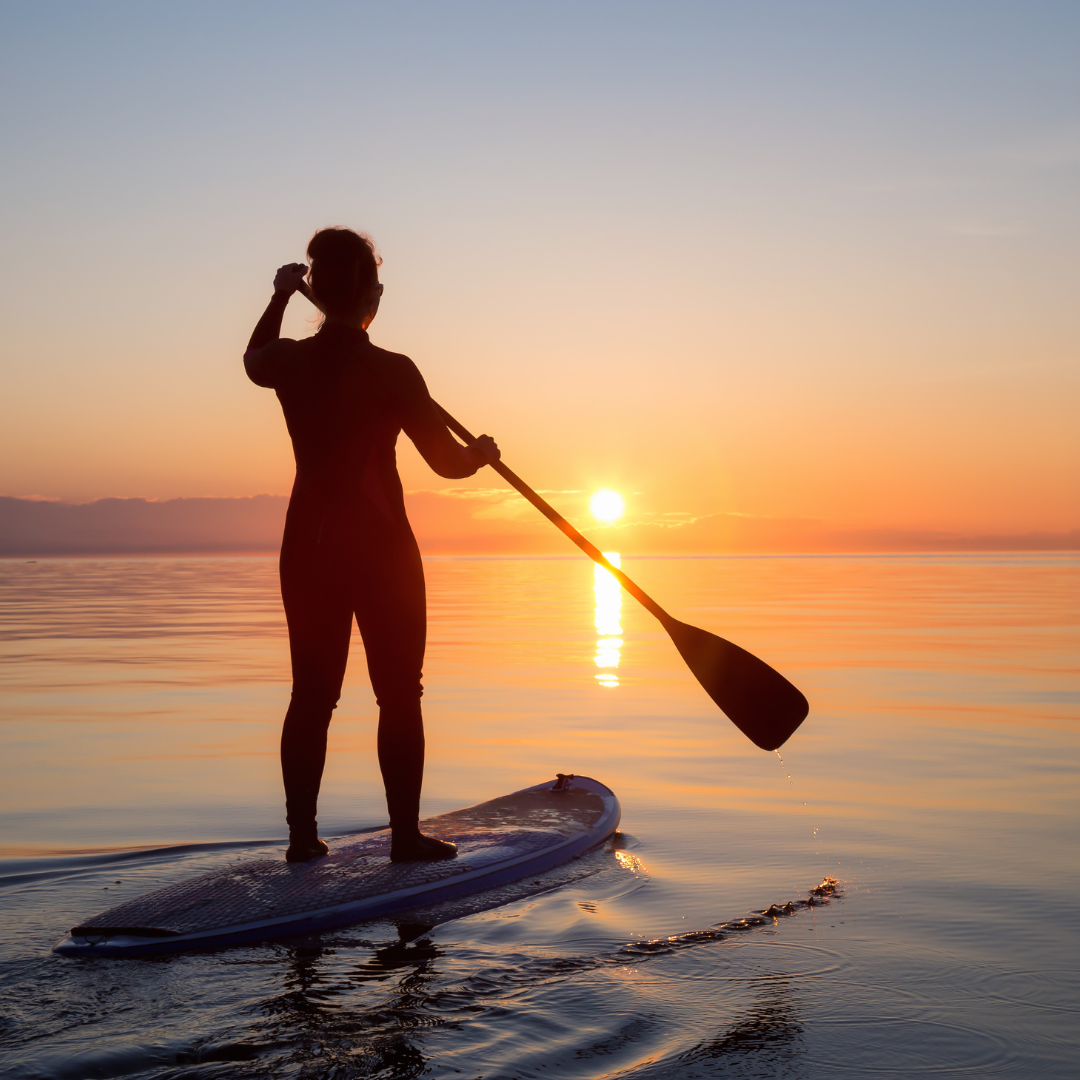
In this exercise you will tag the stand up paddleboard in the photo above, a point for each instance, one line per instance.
(498, 842)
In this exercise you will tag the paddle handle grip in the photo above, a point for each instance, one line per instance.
(562, 524)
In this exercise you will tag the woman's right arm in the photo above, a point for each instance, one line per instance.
(424, 424)
(259, 360)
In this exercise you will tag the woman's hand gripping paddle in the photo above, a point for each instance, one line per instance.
(761, 703)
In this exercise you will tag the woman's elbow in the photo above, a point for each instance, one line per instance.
(253, 368)
(453, 466)
(458, 471)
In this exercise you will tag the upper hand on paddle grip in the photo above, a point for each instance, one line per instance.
(290, 278)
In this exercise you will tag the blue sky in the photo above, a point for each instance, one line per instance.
(780, 238)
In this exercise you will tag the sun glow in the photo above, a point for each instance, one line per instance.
(607, 505)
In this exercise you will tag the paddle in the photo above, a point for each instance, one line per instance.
(761, 703)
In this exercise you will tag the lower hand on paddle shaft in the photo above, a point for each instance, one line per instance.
(761, 703)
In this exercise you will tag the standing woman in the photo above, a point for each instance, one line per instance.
(348, 549)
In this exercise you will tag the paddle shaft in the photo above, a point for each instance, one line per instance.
(560, 522)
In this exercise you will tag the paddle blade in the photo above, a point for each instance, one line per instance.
(759, 701)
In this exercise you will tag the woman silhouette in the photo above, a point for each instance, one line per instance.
(348, 549)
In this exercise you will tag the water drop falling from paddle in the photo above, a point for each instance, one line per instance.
(784, 768)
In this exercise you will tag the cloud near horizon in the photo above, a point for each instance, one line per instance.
(457, 521)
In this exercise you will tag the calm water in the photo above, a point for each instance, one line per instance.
(936, 779)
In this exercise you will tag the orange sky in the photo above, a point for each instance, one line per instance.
(822, 271)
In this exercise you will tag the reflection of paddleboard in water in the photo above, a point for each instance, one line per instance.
(498, 842)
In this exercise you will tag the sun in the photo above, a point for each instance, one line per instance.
(607, 505)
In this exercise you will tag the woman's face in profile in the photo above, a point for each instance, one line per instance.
(373, 306)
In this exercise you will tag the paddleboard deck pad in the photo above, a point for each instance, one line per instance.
(498, 842)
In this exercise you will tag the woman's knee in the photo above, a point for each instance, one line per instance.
(310, 708)
(403, 701)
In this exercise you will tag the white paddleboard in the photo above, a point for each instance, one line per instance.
(498, 842)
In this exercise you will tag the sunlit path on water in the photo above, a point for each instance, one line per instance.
(936, 778)
(608, 506)
(608, 621)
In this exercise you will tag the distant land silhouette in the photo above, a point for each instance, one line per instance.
(456, 521)
(140, 526)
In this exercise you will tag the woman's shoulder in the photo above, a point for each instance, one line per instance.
(394, 360)
(398, 367)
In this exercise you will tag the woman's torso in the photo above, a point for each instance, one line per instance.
(345, 402)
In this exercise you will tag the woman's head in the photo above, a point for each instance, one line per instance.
(344, 273)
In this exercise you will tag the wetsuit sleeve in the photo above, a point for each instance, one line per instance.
(267, 354)
(423, 423)
(270, 365)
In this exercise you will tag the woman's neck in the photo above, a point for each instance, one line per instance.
(357, 322)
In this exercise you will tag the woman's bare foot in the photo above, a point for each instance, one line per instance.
(306, 850)
(417, 847)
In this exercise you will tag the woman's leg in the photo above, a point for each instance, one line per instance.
(401, 761)
(319, 615)
(391, 611)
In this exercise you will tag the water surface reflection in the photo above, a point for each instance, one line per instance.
(140, 707)
(608, 621)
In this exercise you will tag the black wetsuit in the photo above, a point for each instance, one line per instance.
(348, 550)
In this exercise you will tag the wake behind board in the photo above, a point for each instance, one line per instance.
(500, 841)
